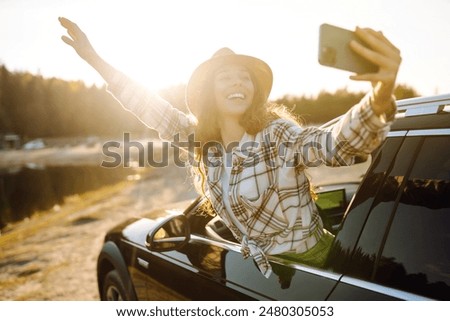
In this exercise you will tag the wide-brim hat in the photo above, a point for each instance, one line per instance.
(203, 74)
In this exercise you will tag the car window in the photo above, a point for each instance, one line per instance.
(380, 211)
(416, 257)
(360, 206)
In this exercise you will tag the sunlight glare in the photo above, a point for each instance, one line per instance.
(160, 42)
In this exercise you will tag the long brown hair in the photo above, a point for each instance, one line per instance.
(255, 118)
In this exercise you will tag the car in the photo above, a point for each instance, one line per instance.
(37, 143)
(392, 234)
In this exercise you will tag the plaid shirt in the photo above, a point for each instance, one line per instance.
(268, 192)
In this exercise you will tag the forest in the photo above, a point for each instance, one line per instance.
(32, 106)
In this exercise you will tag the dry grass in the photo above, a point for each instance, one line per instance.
(41, 219)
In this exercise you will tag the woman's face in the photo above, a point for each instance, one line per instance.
(233, 90)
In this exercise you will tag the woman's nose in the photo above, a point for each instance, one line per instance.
(236, 81)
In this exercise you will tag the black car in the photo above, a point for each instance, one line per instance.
(392, 240)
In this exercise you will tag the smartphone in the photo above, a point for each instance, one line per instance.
(335, 51)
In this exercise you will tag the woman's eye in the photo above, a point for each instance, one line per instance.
(245, 76)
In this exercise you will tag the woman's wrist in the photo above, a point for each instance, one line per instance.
(385, 108)
(91, 57)
(101, 66)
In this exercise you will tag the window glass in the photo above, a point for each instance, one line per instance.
(364, 258)
(416, 255)
(360, 206)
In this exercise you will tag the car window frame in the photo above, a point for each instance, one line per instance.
(354, 217)
(371, 285)
(423, 134)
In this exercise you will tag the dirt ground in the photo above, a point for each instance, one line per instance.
(52, 256)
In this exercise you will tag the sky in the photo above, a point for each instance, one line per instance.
(160, 42)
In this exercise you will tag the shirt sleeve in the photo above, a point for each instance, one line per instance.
(150, 108)
(358, 132)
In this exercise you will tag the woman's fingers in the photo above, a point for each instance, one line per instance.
(386, 41)
(77, 39)
(377, 41)
(369, 54)
(67, 40)
(377, 49)
(374, 78)
(72, 29)
(380, 51)
(71, 34)
(66, 23)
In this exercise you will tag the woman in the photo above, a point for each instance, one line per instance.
(251, 155)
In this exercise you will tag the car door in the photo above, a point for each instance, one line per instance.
(195, 271)
(289, 280)
(402, 252)
(207, 269)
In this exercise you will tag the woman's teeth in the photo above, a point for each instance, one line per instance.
(236, 96)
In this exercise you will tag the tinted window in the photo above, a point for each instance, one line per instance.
(416, 255)
(360, 207)
(383, 206)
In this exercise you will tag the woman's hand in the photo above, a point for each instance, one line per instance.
(380, 51)
(78, 40)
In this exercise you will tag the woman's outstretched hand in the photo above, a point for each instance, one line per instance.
(77, 40)
(380, 51)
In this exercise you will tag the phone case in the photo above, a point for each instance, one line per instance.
(334, 50)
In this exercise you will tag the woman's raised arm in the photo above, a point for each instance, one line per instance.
(78, 40)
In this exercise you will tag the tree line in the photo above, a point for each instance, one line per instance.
(33, 106)
(326, 106)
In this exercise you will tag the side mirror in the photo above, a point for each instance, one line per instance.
(171, 234)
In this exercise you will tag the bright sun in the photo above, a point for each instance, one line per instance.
(160, 43)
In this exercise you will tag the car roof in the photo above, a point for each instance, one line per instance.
(423, 113)
(418, 113)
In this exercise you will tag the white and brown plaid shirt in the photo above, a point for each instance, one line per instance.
(268, 192)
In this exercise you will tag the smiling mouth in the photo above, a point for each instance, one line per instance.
(236, 96)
